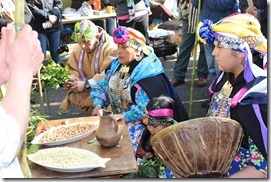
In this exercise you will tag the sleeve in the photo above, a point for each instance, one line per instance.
(136, 111)
(57, 9)
(98, 92)
(10, 138)
(38, 13)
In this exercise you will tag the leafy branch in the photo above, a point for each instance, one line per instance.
(53, 75)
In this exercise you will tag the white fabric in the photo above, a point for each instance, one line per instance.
(92, 82)
(10, 140)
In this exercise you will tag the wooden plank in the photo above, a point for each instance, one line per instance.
(122, 158)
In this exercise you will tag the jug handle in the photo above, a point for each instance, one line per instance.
(115, 123)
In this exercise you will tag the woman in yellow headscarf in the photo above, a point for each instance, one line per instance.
(240, 92)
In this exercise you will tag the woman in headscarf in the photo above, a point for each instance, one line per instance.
(133, 78)
(240, 92)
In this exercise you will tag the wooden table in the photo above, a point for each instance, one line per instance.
(122, 158)
(92, 18)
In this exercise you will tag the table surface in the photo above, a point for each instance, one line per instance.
(122, 157)
(91, 17)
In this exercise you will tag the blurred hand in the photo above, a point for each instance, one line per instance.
(72, 78)
(95, 111)
(253, 12)
(7, 34)
(20, 60)
(47, 25)
(52, 18)
(77, 86)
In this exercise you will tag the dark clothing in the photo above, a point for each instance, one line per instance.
(216, 10)
(139, 23)
(261, 6)
(41, 14)
(164, 87)
(4, 22)
(76, 4)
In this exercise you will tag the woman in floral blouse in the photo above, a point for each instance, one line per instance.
(132, 79)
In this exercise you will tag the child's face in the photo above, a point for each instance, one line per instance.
(153, 129)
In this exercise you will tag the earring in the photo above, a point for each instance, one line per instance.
(138, 57)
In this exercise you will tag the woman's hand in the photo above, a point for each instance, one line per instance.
(27, 58)
(95, 111)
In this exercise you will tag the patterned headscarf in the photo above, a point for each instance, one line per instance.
(122, 35)
(240, 32)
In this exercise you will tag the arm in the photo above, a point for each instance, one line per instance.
(18, 71)
(136, 111)
(98, 93)
(248, 172)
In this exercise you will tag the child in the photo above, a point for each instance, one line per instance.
(131, 9)
(160, 116)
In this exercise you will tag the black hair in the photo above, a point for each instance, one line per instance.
(160, 102)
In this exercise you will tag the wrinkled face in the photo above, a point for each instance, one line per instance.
(125, 53)
(153, 129)
(227, 59)
(88, 45)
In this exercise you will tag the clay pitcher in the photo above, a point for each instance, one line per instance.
(108, 133)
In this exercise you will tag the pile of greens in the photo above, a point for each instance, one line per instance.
(53, 75)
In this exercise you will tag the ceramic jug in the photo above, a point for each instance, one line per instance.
(108, 133)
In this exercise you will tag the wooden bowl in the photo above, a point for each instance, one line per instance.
(202, 147)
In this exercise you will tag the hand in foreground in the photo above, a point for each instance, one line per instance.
(24, 54)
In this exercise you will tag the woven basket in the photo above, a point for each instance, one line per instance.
(202, 147)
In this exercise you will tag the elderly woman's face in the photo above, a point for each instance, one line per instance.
(88, 45)
(125, 53)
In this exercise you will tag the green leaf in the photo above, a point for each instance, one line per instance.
(93, 140)
(32, 149)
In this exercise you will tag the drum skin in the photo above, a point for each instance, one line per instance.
(201, 147)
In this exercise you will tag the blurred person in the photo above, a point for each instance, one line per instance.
(159, 112)
(241, 87)
(140, 21)
(131, 8)
(189, 17)
(132, 79)
(164, 10)
(260, 12)
(17, 70)
(214, 11)
(47, 22)
(88, 60)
